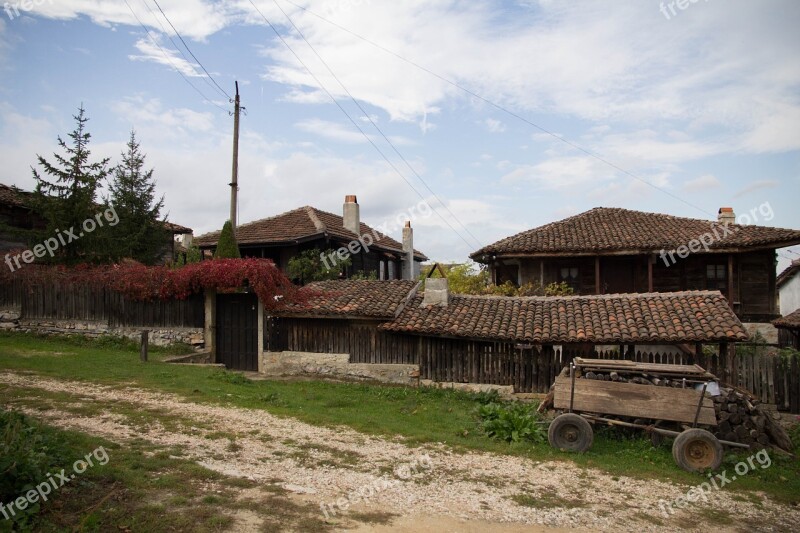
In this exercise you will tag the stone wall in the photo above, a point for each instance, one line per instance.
(335, 366)
(9, 320)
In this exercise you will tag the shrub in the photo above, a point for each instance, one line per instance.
(26, 457)
(226, 244)
(513, 422)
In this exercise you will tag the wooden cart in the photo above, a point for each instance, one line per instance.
(650, 407)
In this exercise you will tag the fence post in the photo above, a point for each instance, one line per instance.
(144, 345)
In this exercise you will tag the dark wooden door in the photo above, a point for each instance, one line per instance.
(237, 331)
(617, 275)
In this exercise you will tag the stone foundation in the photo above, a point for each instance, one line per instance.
(334, 366)
(158, 336)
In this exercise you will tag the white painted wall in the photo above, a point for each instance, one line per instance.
(790, 295)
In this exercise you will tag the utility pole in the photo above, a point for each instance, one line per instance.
(235, 173)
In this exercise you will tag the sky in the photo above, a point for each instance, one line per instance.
(501, 115)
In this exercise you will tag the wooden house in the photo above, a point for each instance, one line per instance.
(611, 250)
(284, 236)
(17, 214)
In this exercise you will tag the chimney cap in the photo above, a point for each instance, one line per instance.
(408, 223)
(725, 210)
(350, 199)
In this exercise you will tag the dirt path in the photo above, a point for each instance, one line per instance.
(429, 488)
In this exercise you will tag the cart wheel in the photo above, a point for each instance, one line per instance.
(696, 450)
(570, 432)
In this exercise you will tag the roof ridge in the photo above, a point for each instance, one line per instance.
(626, 295)
(312, 214)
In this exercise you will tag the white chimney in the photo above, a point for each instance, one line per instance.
(187, 240)
(408, 252)
(437, 292)
(726, 215)
(351, 214)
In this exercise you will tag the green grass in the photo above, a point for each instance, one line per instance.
(418, 416)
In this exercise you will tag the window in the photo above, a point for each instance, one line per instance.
(569, 275)
(717, 278)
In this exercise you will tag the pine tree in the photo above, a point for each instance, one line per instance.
(140, 233)
(67, 199)
(226, 245)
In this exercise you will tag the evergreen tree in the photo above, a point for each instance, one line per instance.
(140, 233)
(226, 245)
(66, 196)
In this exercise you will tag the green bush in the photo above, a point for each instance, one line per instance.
(512, 422)
(26, 457)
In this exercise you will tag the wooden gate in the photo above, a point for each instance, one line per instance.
(237, 331)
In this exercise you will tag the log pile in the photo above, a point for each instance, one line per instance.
(741, 419)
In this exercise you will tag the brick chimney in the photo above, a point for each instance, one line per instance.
(408, 252)
(351, 214)
(437, 292)
(726, 215)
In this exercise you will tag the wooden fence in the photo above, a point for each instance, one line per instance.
(80, 302)
(527, 368)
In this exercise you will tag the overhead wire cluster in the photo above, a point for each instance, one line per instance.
(207, 77)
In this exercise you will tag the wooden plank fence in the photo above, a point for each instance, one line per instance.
(527, 368)
(80, 302)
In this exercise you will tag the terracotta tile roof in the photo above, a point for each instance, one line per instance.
(613, 318)
(790, 321)
(787, 274)
(355, 298)
(13, 196)
(615, 230)
(303, 223)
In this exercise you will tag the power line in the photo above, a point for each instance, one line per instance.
(190, 52)
(501, 108)
(369, 117)
(169, 58)
(178, 48)
(343, 110)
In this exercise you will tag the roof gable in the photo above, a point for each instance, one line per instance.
(614, 230)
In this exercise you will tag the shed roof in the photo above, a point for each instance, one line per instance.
(605, 230)
(790, 321)
(787, 274)
(354, 299)
(303, 223)
(694, 316)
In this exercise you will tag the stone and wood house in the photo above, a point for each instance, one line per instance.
(284, 236)
(618, 251)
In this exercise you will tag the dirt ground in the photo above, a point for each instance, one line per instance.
(425, 489)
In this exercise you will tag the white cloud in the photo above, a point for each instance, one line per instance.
(154, 51)
(342, 133)
(755, 186)
(494, 126)
(702, 183)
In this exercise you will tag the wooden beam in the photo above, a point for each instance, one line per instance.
(597, 274)
(649, 273)
(730, 281)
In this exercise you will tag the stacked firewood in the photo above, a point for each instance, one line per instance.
(741, 419)
(639, 379)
